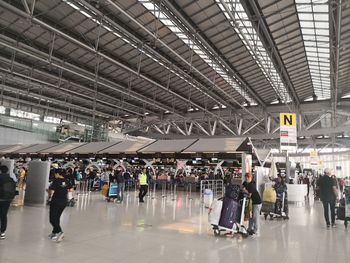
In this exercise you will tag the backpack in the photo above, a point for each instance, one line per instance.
(78, 176)
(7, 189)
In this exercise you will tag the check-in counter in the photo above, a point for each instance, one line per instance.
(297, 192)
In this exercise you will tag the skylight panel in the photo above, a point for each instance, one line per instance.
(305, 24)
(219, 68)
(320, 17)
(306, 17)
(322, 25)
(109, 27)
(251, 40)
(314, 22)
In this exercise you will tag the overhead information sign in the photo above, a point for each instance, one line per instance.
(288, 132)
(288, 120)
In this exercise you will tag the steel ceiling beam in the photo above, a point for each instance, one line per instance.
(318, 119)
(61, 87)
(178, 128)
(63, 65)
(264, 137)
(201, 128)
(53, 88)
(132, 36)
(252, 127)
(261, 27)
(59, 103)
(6, 101)
(102, 55)
(227, 128)
(174, 53)
(203, 41)
(307, 108)
(26, 6)
(335, 16)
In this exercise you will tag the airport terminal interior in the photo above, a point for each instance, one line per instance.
(174, 131)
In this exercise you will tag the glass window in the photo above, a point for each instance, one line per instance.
(304, 24)
(319, 8)
(306, 17)
(304, 8)
(321, 17)
(308, 31)
(50, 119)
(24, 114)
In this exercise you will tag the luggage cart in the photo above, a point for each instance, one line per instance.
(343, 211)
(275, 210)
(238, 227)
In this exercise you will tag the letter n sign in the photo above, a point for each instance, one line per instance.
(288, 119)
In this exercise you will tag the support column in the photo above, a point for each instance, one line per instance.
(37, 183)
(287, 168)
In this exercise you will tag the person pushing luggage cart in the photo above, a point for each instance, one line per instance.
(281, 205)
(249, 188)
(227, 214)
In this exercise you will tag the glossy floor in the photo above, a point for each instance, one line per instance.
(166, 230)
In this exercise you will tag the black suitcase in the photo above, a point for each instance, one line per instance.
(229, 213)
(341, 213)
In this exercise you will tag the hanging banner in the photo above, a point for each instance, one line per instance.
(288, 132)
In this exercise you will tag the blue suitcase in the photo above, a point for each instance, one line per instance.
(113, 191)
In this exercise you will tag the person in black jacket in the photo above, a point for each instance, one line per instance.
(58, 191)
(121, 184)
(329, 196)
(7, 193)
(249, 188)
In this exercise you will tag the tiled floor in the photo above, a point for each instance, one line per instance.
(162, 230)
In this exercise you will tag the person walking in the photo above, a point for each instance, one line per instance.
(249, 188)
(328, 195)
(143, 185)
(7, 194)
(306, 181)
(58, 191)
(282, 194)
(121, 184)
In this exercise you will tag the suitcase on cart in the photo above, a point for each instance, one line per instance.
(232, 191)
(343, 212)
(229, 213)
(215, 212)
